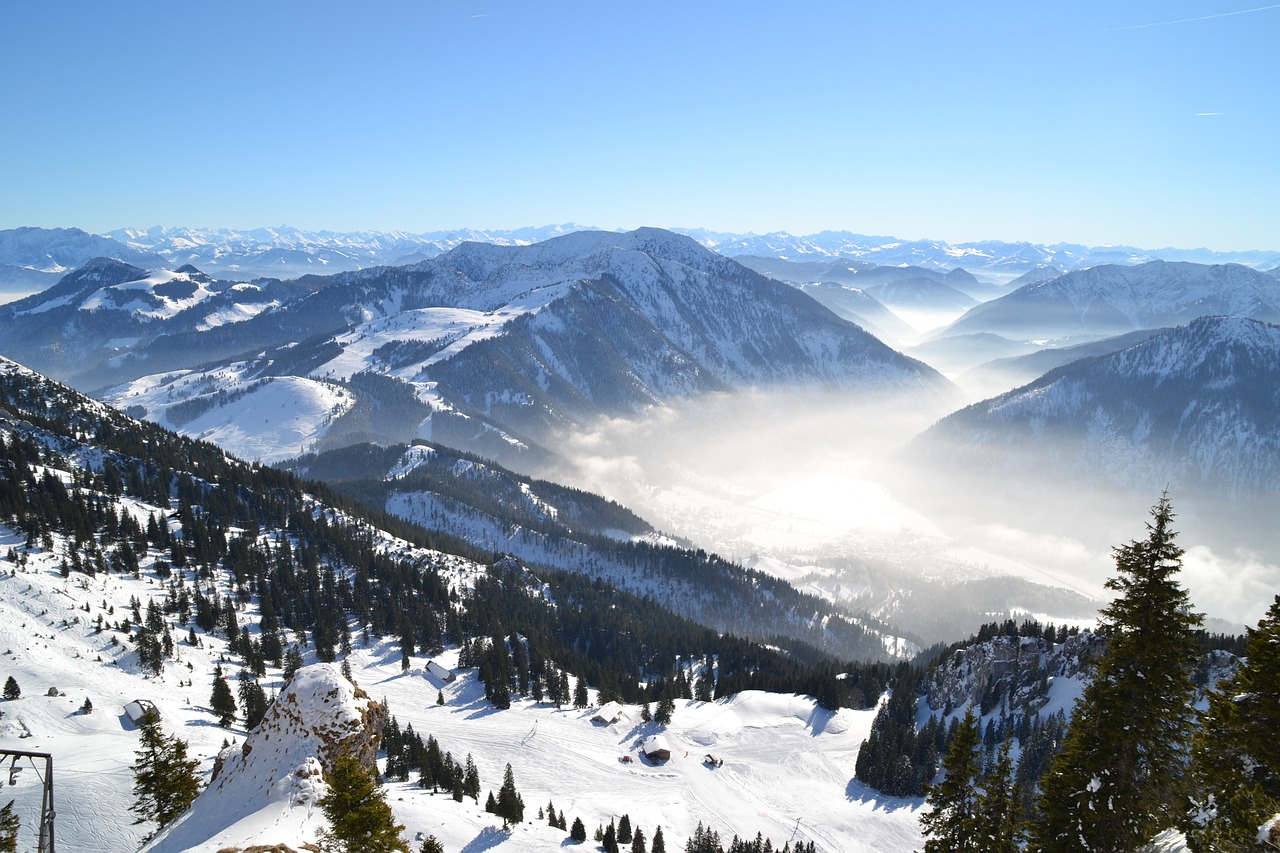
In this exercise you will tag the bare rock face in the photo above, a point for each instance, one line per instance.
(1011, 672)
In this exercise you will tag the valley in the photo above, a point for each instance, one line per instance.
(621, 417)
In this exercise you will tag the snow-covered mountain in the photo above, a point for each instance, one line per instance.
(502, 347)
(107, 308)
(137, 563)
(991, 256)
(1193, 410)
(32, 259)
(1000, 372)
(1112, 300)
(286, 252)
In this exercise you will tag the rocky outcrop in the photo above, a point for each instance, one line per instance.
(1009, 672)
(320, 714)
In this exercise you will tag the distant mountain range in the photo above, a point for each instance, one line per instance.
(488, 348)
(29, 256)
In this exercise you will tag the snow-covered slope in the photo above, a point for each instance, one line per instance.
(1111, 300)
(267, 787)
(71, 618)
(509, 345)
(107, 308)
(1193, 410)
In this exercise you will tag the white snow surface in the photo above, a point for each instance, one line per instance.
(270, 785)
(787, 769)
(267, 419)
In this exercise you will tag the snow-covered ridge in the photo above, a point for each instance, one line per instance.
(276, 775)
(1193, 410)
(1111, 300)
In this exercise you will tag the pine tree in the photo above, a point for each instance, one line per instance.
(662, 714)
(637, 841)
(1000, 814)
(431, 844)
(360, 821)
(164, 778)
(578, 832)
(510, 804)
(954, 823)
(221, 701)
(292, 663)
(11, 689)
(8, 829)
(659, 845)
(253, 700)
(471, 779)
(624, 829)
(1117, 781)
(1236, 754)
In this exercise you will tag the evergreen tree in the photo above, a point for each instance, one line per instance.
(1001, 819)
(955, 821)
(431, 844)
(662, 713)
(624, 829)
(610, 840)
(11, 688)
(471, 779)
(1236, 753)
(704, 840)
(637, 841)
(580, 693)
(360, 821)
(659, 845)
(221, 701)
(510, 804)
(253, 700)
(292, 663)
(8, 829)
(1117, 781)
(164, 778)
(578, 832)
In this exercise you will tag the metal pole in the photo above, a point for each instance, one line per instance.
(46, 816)
(46, 796)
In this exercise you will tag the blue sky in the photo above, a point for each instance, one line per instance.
(1152, 124)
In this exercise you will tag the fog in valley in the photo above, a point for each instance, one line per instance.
(818, 488)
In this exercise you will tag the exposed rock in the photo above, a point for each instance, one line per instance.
(1012, 672)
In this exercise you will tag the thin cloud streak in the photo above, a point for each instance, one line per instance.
(1192, 20)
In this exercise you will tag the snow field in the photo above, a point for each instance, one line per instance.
(787, 767)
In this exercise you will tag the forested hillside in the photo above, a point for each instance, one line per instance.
(233, 541)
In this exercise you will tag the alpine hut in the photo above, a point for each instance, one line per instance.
(656, 748)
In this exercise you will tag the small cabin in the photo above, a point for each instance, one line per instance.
(441, 672)
(656, 748)
(138, 710)
(609, 713)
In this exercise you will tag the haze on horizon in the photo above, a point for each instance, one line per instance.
(1146, 124)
